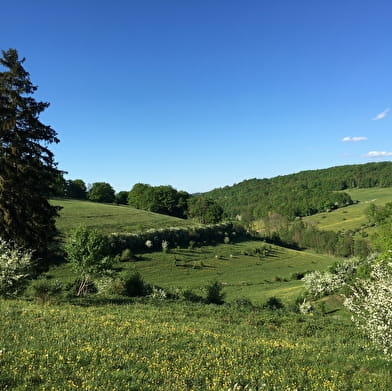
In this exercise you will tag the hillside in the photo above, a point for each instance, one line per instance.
(111, 218)
(301, 194)
(353, 216)
(243, 270)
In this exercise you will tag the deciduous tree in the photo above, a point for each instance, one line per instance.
(101, 192)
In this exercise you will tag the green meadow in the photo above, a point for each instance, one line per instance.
(109, 218)
(159, 344)
(353, 216)
(242, 272)
(163, 345)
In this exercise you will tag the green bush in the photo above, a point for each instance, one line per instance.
(274, 303)
(135, 285)
(126, 255)
(45, 291)
(89, 253)
(214, 294)
(189, 295)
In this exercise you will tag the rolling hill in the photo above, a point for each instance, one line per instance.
(111, 218)
(302, 194)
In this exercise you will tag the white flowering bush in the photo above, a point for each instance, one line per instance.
(319, 284)
(341, 274)
(158, 293)
(165, 246)
(371, 305)
(305, 307)
(15, 268)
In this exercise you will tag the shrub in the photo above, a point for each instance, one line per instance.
(318, 284)
(89, 253)
(242, 302)
(305, 307)
(189, 295)
(165, 246)
(44, 290)
(274, 303)
(159, 293)
(371, 305)
(126, 255)
(214, 294)
(135, 285)
(340, 274)
(16, 266)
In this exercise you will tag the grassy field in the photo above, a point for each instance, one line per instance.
(110, 218)
(176, 346)
(242, 272)
(353, 216)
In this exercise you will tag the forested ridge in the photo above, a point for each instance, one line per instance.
(301, 194)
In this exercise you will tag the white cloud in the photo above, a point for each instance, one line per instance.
(382, 115)
(378, 154)
(356, 138)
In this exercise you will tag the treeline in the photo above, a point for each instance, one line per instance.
(158, 199)
(174, 237)
(300, 235)
(301, 194)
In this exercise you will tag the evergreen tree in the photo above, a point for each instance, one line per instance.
(28, 172)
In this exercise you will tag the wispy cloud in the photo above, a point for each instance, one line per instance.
(378, 154)
(382, 115)
(356, 138)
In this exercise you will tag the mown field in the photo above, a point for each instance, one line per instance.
(354, 216)
(110, 218)
(162, 345)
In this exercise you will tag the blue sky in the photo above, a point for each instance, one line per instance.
(201, 94)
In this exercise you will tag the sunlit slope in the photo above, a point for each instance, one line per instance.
(242, 272)
(353, 216)
(111, 218)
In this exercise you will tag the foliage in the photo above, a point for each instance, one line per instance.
(176, 236)
(204, 210)
(383, 239)
(101, 192)
(28, 172)
(371, 305)
(126, 255)
(135, 285)
(274, 303)
(45, 290)
(165, 246)
(339, 275)
(16, 265)
(75, 189)
(159, 199)
(214, 294)
(299, 234)
(121, 198)
(301, 194)
(89, 253)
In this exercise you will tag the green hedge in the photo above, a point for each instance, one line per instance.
(176, 236)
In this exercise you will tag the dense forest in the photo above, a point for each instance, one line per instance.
(301, 194)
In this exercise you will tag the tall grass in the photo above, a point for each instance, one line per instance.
(173, 346)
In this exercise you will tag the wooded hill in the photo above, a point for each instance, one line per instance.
(301, 194)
